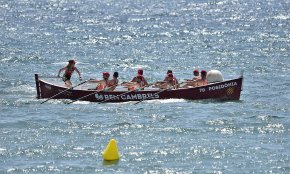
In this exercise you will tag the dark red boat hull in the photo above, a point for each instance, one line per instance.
(226, 90)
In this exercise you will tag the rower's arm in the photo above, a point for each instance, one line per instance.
(145, 82)
(134, 79)
(190, 81)
(160, 82)
(77, 70)
(95, 81)
(62, 69)
(176, 86)
(128, 84)
(113, 82)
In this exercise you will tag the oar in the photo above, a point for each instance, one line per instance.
(125, 93)
(64, 91)
(157, 93)
(91, 94)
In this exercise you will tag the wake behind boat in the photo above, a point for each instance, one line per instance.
(225, 90)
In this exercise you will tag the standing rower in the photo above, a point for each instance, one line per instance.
(68, 71)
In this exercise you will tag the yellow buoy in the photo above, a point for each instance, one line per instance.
(111, 152)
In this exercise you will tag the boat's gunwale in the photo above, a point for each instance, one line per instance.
(224, 90)
(94, 90)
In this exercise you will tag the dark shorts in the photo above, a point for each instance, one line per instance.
(66, 78)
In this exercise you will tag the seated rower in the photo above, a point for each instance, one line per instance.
(138, 83)
(191, 83)
(202, 81)
(196, 75)
(166, 77)
(102, 84)
(140, 77)
(199, 82)
(158, 83)
(113, 83)
(169, 82)
(68, 71)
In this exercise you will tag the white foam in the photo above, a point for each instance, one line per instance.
(166, 101)
(79, 148)
(2, 149)
(82, 102)
(281, 16)
(21, 88)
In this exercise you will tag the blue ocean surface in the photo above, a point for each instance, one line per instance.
(159, 136)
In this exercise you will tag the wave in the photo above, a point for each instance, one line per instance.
(22, 59)
(165, 101)
(20, 89)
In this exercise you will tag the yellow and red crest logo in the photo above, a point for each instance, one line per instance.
(230, 90)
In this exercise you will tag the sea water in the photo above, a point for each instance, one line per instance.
(159, 136)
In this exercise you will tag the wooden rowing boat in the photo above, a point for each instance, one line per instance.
(226, 90)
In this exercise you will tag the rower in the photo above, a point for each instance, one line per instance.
(140, 77)
(68, 71)
(196, 75)
(138, 84)
(169, 80)
(166, 77)
(102, 84)
(191, 82)
(114, 82)
(202, 81)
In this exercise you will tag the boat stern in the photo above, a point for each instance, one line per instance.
(36, 76)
